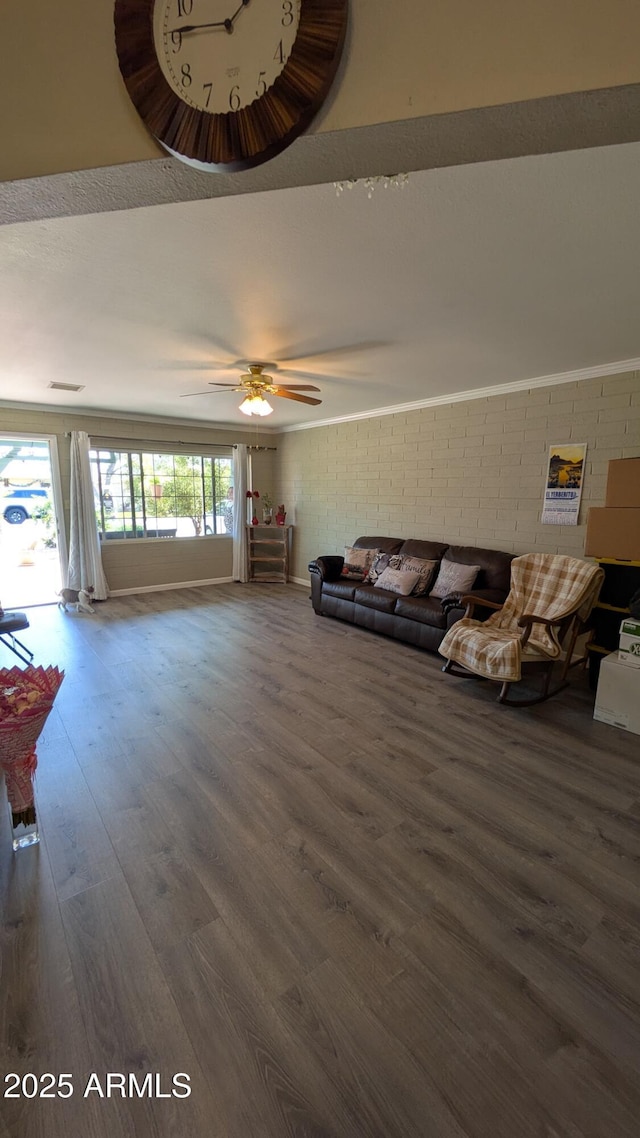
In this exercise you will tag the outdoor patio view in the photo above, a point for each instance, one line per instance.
(29, 559)
(144, 495)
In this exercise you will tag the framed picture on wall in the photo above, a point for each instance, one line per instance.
(563, 484)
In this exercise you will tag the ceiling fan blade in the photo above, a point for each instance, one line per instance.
(188, 394)
(291, 395)
(214, 383)
(217, 343)
(292, 373)
(193, 365)
(342, 350)
(298, 387)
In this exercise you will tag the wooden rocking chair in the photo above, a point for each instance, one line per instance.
(538, 626)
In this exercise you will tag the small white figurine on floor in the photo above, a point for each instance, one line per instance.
(79, 599)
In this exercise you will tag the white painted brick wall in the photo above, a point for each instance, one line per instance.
(465, 472)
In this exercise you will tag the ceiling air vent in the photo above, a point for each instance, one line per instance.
(67, 386)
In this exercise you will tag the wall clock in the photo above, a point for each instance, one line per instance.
(228, 84)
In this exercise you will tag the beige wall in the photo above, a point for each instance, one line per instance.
(468, 473)
(63, 106)
(140, 564)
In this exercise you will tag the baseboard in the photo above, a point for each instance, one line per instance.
(172, 585)
(300, 581)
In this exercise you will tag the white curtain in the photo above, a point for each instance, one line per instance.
(85, 562)
(240, 571)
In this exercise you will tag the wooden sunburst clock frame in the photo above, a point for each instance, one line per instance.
(235, 140)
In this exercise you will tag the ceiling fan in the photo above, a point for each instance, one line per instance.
(255, 384)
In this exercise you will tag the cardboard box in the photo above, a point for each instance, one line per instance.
(618, 695)
(613, 533)
(629, 650)
(623, 483)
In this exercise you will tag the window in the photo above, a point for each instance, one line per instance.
(139, 494)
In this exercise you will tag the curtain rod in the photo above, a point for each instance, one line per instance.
(168, 442)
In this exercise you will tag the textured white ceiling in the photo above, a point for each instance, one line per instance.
(468, 277)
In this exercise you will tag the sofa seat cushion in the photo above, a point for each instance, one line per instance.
(344, 589)
(373, 597)
(426, 610)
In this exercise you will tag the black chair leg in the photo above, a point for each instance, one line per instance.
(10, 641)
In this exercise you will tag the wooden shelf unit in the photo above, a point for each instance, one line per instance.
(621, 580)
(268, 552)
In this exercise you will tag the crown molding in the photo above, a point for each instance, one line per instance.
(618, 367)
(601, 370)
(128, 416)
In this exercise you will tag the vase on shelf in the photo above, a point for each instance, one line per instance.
(267, 516)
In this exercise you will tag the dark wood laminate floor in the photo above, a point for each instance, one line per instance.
(349, 896)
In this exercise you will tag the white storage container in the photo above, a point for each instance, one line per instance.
(618, 695)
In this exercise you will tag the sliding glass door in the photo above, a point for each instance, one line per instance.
(32, 541)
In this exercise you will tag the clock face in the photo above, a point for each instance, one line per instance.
(221, 55)
(227, 84)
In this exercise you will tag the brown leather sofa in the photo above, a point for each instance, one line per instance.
(422, 621)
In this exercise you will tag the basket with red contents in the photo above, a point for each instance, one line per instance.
(26, 698)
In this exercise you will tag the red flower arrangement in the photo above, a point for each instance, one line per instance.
(253, 494)
(26, 698)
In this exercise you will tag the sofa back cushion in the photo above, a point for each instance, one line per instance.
(384, 544)
(427, 550)
(495, 566)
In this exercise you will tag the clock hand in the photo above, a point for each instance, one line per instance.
(185, 28)
(243, 4)
(226, 24)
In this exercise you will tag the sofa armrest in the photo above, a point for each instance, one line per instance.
(328, 567)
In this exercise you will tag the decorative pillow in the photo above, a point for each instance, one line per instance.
(357, 563)
(426, 569)
(401, 581)
(381, 562)
(454, 578)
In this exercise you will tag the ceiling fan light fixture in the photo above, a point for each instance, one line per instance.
(255, 404)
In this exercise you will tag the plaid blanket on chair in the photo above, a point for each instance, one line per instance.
(552, 586)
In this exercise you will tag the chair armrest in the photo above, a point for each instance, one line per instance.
(527, 622)
(532, 619)
(328, 567)
(485, 598)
